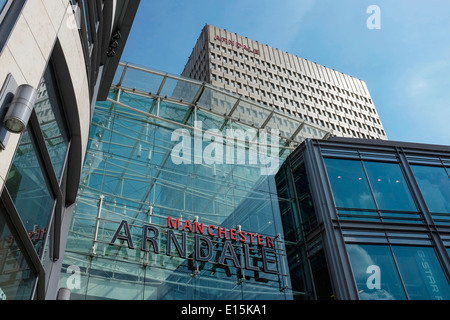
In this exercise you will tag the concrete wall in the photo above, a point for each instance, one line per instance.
(40, 24)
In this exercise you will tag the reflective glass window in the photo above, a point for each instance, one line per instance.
(130, 162)
(304, 198)
(16, 278)
(49, 113)
(389, 186)
(422, 273)
(349, 184)
(434, 184)
(2, 4)
(381, 272)
(28, 189)
(375, 273)
(142, 81)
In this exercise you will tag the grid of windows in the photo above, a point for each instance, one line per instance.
(383, 213)
(34, 189)
(287, 83)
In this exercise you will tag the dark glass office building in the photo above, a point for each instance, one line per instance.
(367, 219)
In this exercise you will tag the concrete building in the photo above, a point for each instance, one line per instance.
(57, 57)
(285, 82)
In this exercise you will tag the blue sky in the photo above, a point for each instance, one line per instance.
(405, 63)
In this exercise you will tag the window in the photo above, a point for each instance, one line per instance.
(39, 160)
(28, 189)
(379, 276)
(349, 184)
(9, 13)
(434, 184)
(389, 186)
(375, 273)
(369, 191)
(16, 277)
(51, 120)
(4, 5)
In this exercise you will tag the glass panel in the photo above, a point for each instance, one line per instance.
(137, 102)
(142, 81)
(179, 90)
(402, 217)
(16, 278)
(2, 3)
(375, 273)
(48, 110)
(28, 190)
(349, 184)
(422, 274)
(118, 74)
(250, 114)
(131, 164)
(389, 186)
(359, 215)
(304, 198)
(217, 101)
(434, 183)
(175, 112)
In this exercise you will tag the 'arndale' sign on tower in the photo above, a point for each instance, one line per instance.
(203, 245)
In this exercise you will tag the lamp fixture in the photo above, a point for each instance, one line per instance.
(19, 111)
(113, 44)
(16, 105)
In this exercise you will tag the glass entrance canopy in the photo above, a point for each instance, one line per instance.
(172, 161)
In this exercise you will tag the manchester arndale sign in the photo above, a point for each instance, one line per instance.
(203, 243)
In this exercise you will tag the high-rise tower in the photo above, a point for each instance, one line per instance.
(277, 79)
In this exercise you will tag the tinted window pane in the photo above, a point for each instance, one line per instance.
(389, 186)
(434, 183)
(422, 274)
(16, 278)
(48, 110)
(304, 197)
(349, 184)
(2, 3)
(28, 190)
(375, 273)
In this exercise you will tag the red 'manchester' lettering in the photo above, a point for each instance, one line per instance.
(209, 230)
(222, 232)
(171, 224)
(187, 224)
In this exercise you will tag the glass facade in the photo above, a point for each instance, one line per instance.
(29, 191)
(2, 4)
(177, 198)
(373, 208)
(398, 272)
(32, 187)
(16, 277)
(48, 108)
(368, 190)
